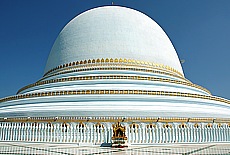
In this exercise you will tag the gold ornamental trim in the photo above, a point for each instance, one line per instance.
(113, 61)
(183, 125)
(134, 121)
(113, 92)
(123, 67)
(112, 77)
(167, 125)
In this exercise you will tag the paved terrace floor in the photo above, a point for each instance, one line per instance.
(72, 149)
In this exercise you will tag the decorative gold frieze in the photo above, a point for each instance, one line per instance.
(134, 120)
(111, 60)
(102, 92)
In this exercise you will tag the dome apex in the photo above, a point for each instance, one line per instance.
(113, 32)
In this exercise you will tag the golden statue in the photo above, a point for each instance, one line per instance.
(119, 138)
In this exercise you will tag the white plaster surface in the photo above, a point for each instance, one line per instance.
(116, 105)
(113, 32)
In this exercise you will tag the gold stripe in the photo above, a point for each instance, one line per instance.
(113, 77)
(115, 61)
(127, 92)
(116, 119)
(112, 67)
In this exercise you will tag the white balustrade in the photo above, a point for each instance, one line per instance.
(94, 133)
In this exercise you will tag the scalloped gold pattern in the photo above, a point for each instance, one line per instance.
(117, 66)
(116, 60)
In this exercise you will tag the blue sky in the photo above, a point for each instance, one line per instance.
(199, 30)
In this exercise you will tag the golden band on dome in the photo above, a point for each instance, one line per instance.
(113, 92)
(129, 67)
(124, 77)
(115, 61)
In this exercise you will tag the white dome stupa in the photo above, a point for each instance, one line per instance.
(113, 32)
